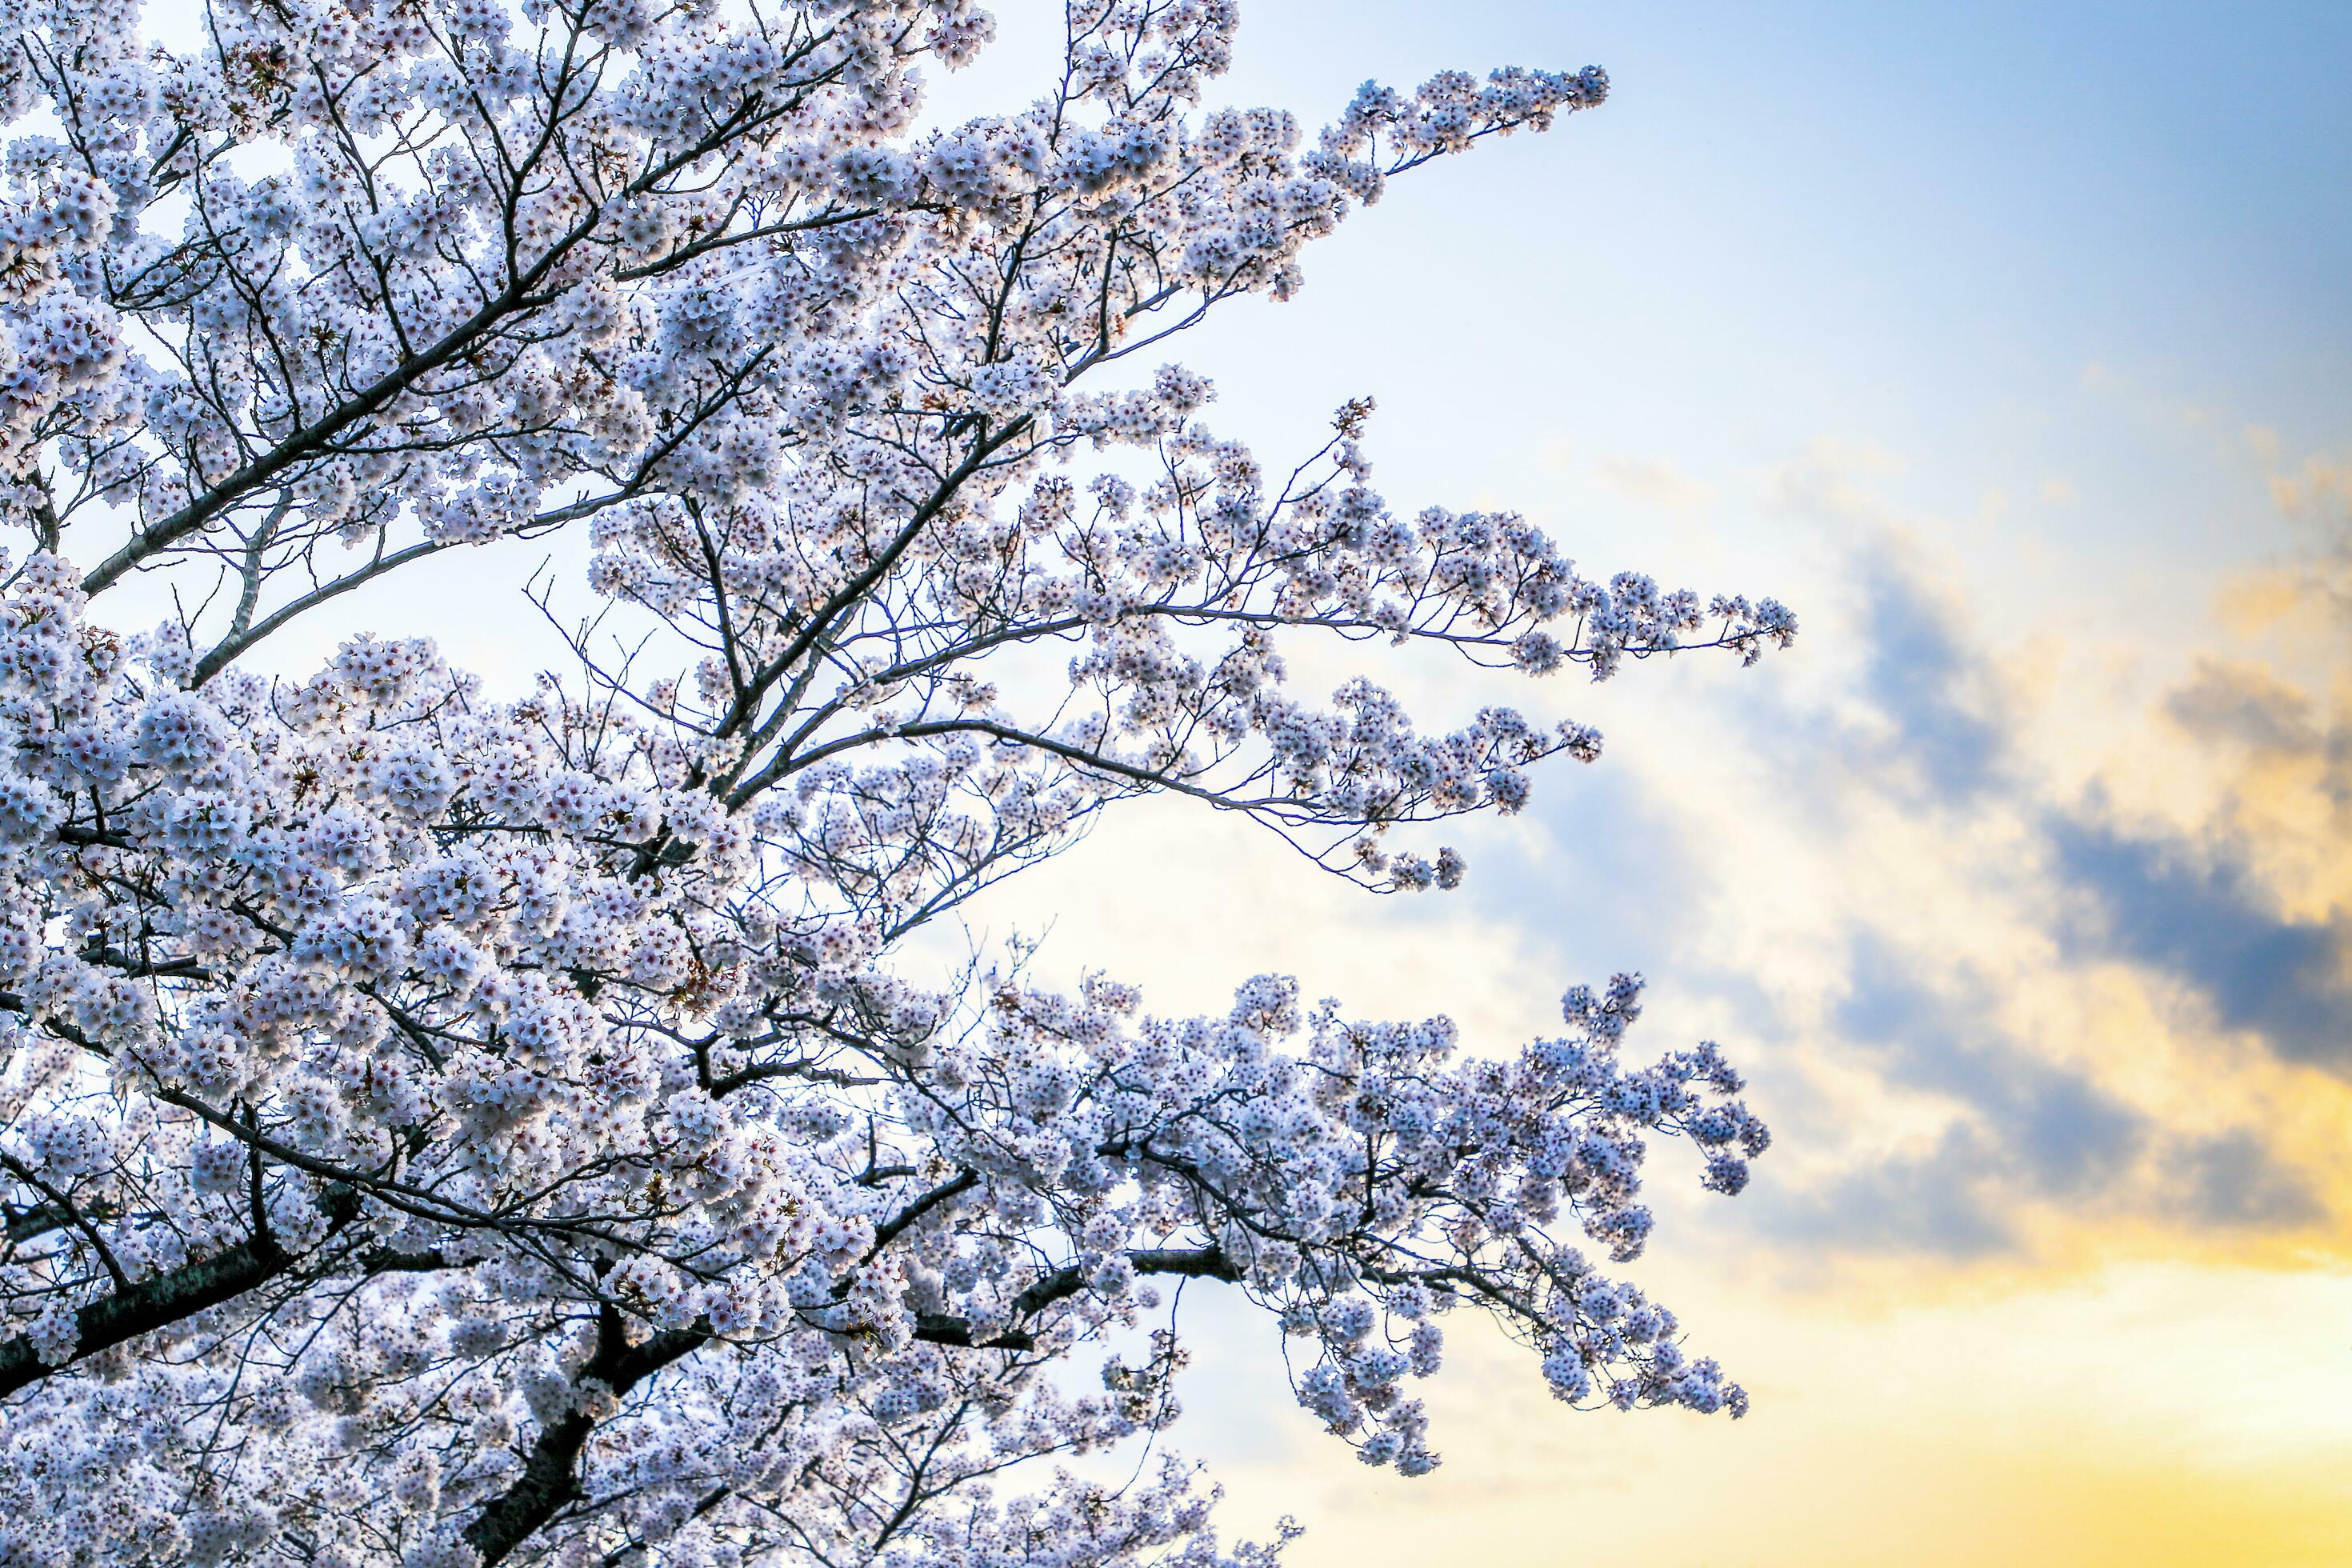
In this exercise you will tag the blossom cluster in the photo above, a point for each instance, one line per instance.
(441, 1127)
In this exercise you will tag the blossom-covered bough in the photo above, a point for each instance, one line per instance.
(441, 1129)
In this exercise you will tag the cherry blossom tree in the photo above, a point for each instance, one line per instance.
(440, 1127)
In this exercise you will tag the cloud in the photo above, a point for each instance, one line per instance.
(2028, 1136)
(1940, 714)
(2317, 497)
(1936, 693)
(2246, 704)
(2321, 488)
(1656, 481)
(2202, 920)
(1940, 1201)
(2024, 1131)
(2052, 1131)
(2233, 1180)
(1836, 482)
(1935, 916)
(2247, 707)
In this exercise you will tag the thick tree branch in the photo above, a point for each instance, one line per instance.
(551, 1472)
(169, 1297)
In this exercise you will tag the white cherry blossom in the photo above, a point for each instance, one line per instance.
(443, 1127)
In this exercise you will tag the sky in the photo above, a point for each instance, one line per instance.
(2012, 346)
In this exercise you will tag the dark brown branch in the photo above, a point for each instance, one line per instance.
(550, 1472)
(1193, 1263)
(168, 1298)
(941, 1329)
